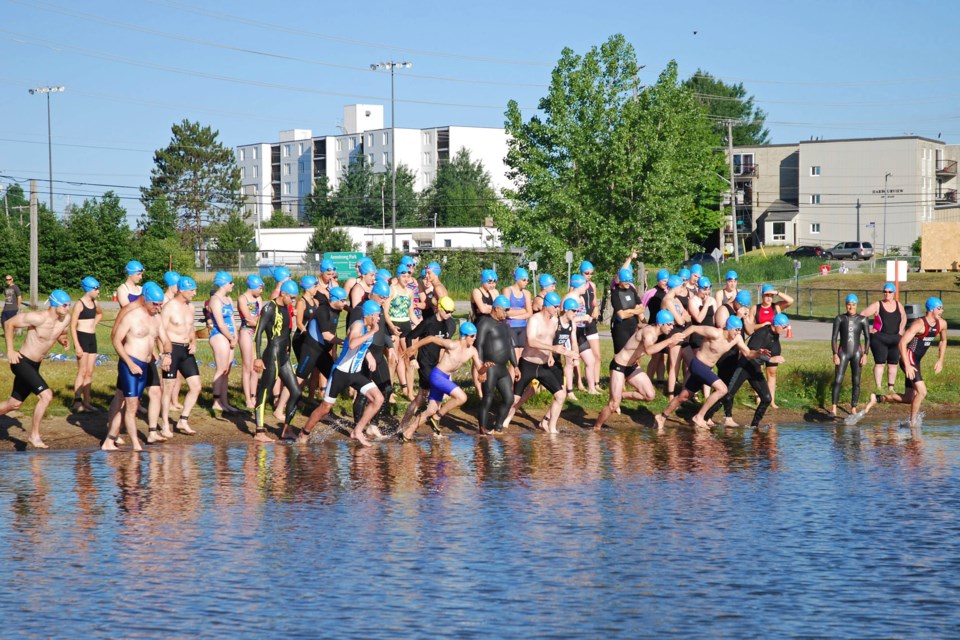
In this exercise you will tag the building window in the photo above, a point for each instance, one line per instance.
(242, 155)
(448, 243)
(386, 137)
(286, 151)
(743, 164)
(369, 139)
(814, 198)
(815, 170)
(243, 173)
(256, 171)
(286, 188)
(815, 227)
(286, 168)
(406, 246)
(386, 158)
(339, 144)
(254, 153)
(779, 230)
(300, 149)
(427, 157)
(426, 138)
(353, 143)
(369, 159)
(369, 245)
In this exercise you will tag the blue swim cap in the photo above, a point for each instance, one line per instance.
(366, 266)
(327, 265)
(381, 288)
(308, 281)
(586, 265)
(384, 274)
(134, 267)
(370, 307)
(521, 274)
(222, 278)
(171, 278)
(744, 298)
(704, 282)
(664, 317)
(289, 287)
(731, 275)
(684, 274)
(254, 281)
(889, 287)
(733, 322)
(407, 260)
(625, 275)
(781, 320)
(402, 269)
(337, 294)
(281, 273)
(663, 274)
(59, 297)
(546, 280)
(934, 303)
(435, 267)
(488, 275)
(552, 299)
(364, 260)
(674, 281)
(152, 292)
(468, 329)
(697, 269)
(503, 302)
(186, 283)
(767, 288)
(89, 283)
(570, 304)
(852, 298)
(577, 280)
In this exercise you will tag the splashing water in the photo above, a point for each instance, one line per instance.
(854, 418)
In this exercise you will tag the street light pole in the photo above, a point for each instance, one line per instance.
(392, 66)
(886, 196)
(48, 91)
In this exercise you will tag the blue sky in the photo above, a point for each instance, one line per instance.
(250, 69)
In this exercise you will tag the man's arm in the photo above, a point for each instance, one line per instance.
(834, 343)
(938, 367)
(19, 321)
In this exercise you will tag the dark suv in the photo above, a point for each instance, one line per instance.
(849, 251)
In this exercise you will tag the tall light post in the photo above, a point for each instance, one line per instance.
(48, 91)
(392, 66)
(886, 196)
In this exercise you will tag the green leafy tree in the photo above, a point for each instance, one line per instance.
(15, 235)
(232, 236)
(98, 242)
(199, 177)
(408, 212)
(280, 220)
(357, 199)
(461, 194)
(608, 168)
(724, 101)
(319, 204)
(159, 220)
(327, 237)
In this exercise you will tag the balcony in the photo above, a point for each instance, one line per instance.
(946, 169)
(746, 170)
(947, 197)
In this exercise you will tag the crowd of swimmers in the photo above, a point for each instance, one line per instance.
(400, 333)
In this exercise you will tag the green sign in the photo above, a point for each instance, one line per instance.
(345, 261)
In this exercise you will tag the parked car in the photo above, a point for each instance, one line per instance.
(805, 251)
(849, 251)
(703, 259)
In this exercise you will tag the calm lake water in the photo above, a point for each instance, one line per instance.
(804, 531)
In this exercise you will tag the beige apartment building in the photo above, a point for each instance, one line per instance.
(821, 192)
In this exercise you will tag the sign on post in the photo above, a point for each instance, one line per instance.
(344, 261)
(897, 273)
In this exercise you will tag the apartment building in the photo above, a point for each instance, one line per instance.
(821, 192)
(280, 175)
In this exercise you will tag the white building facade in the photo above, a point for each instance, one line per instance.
(280, 175)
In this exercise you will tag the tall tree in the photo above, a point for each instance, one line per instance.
(231, 237)
(408, 210)
(327, 237)
(280, 220)
(97, 241)
(199, 178)
(461, 194)
(608, 168)
(724, 101)
(319, 204)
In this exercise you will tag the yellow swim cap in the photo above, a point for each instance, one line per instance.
(446, 303)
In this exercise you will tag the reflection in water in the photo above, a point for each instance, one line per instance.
(602, 533)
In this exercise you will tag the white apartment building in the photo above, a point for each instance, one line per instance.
(821, 192)
(280, 175)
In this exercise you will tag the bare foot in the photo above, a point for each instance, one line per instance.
(773, 405)
(358, 436)
(176, 406)
(699, 421)
(184, 427)
(279, 416)
(571, 396)
(374, 431)
(711, 423)
(545, 424)
(288, 433)
(660, 420)
(262, 436)
(120, 441)
(108, 445)
(871, 404)
(154, 437)
(37, 443)
(730, 422)
(303, 438)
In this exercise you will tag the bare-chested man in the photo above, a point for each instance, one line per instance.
(181, 344)
(44, 328)
(456, 353)
(716, 342)
(138, 337)
(624, 369)
(537, 360)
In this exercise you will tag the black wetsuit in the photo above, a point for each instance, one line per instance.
(747, 370)
(624, 299)
(275, 324)
(309, 310)
(494, 345)
(316, 352)
(846, 343)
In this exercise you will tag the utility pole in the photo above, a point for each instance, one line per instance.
(858, 219)
(392, 66)
(886, 196)
(34, 260)
(733, 190)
